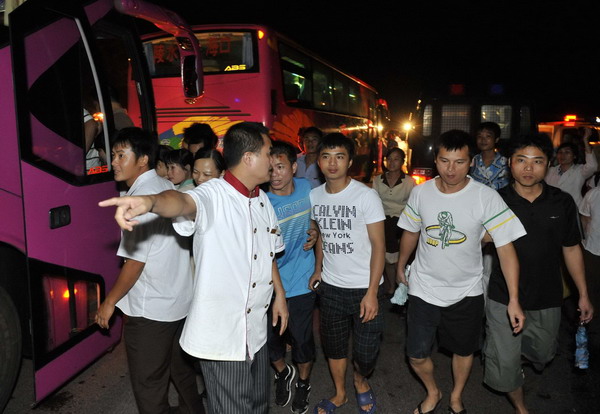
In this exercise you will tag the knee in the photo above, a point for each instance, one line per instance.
(418, 362)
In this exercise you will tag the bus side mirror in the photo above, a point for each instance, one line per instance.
(189, 78)
(192, 75)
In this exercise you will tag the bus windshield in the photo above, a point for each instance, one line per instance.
(222, 52)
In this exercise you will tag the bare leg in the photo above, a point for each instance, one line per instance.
(279, 365)
(461, 369)
(518, 400)
(423, 367)
(389, 278)
(361, 385)
(337, 368)
(304, 370)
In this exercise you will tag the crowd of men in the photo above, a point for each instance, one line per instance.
(492, 246)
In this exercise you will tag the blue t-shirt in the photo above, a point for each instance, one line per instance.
(296, 266)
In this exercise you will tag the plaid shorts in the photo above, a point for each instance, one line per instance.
(339, 315)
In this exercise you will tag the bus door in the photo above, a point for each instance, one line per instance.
(61, 83)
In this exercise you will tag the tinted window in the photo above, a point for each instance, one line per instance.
(222, 52)
(455, 117)
(500, 114)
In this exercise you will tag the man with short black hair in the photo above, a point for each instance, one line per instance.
(153, 288)
(236, 237)
(447, 217)
(291, 201)
(350, 218)
(550, 218)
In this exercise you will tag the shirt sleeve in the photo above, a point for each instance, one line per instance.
(590, 166)
(572, 233)
(586, 208)
(372, 207)
(136, 244)
(500, 221)
(186, 227)
(410, 219)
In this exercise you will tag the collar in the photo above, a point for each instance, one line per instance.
(511, 191)
(143, 177)
(239, 186)
(398, 181)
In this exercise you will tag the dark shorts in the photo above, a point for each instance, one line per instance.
(393, 233)
(299, 332)
(457, 326)
(340, 315)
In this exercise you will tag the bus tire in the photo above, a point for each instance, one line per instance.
(10, 347)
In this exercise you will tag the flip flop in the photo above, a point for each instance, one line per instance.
(451, 411)
(326, 405)
(366, 398)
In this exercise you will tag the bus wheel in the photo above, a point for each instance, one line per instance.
(10, 347)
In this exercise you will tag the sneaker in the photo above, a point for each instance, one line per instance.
(300, 403)
(283, 385)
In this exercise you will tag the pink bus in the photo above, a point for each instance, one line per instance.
(61, 63)
(252, 73)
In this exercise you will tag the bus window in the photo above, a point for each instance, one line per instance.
(456, 117)
(353, 99)
(115, 58)
(59, 106)
(340, 94)
(427, 120)
(297, 79)
(500, 114)
(322, 87)
(221, 52)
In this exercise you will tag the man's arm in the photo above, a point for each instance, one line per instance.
(318, 260)
(170, 204)
(591, 163)
(313, 236)
(574, 262)
(130, 273)
(408, 244)
(280, 310)
(369, 305)
(509, 262)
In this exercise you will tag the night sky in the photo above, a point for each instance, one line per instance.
(545, 50)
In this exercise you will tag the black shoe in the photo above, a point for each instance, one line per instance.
(283, 385)
(300, 403)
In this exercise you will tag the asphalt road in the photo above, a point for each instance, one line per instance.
(104, 387)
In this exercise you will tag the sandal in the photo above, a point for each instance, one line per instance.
(366, 398)
(327, 406)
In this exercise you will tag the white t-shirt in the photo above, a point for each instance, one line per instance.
(235, 241)
(590, 207)
(572, 180)
(342, 218)
(163, 291)
(448, 262)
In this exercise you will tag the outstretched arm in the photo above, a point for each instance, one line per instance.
(509, 262)
(170, 204)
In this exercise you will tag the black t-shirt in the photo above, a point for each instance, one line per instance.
(551, 222)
